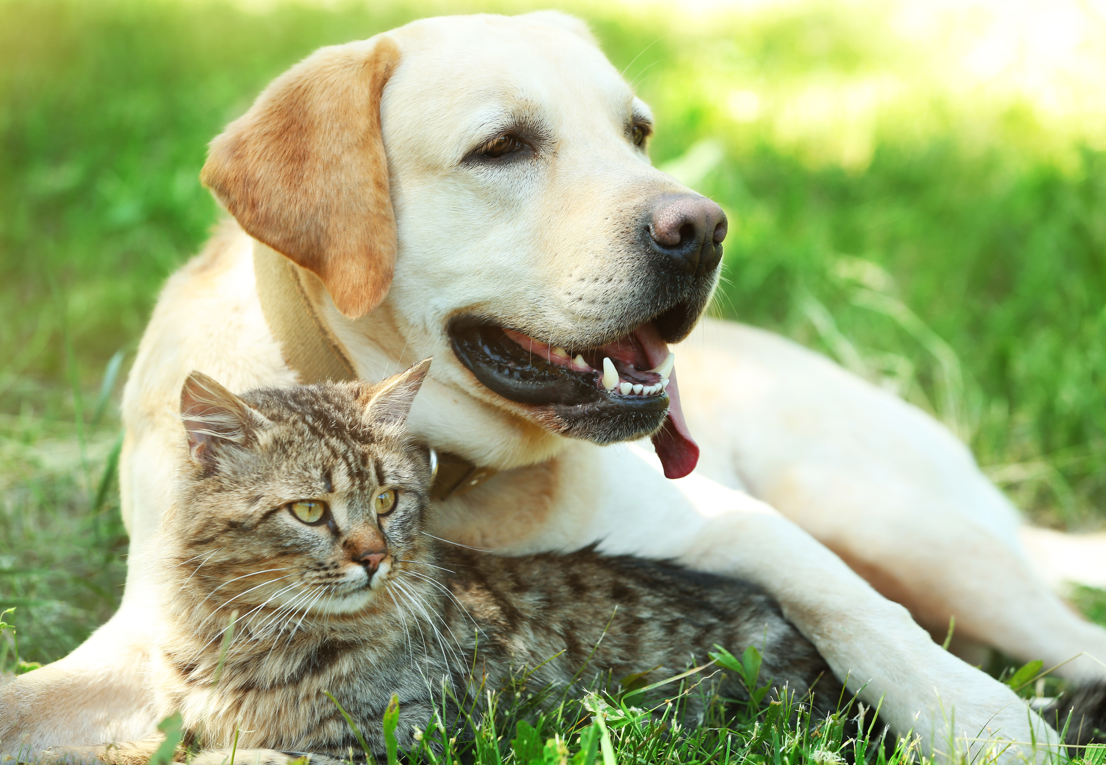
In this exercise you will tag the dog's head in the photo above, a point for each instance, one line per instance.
(485, 181)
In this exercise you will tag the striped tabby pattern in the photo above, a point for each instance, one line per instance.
(265, 613)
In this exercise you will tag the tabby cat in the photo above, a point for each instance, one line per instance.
(295, 563)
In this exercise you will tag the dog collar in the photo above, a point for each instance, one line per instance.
(315, 355)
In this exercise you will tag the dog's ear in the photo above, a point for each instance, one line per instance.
(304, 171)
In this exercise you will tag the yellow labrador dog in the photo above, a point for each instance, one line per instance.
(477, 189)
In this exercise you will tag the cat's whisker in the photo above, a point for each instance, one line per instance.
(402, 622)
(246, 592)
(419, 665)
(448, 594)
(452, 634)
(283, 613)
(409, 611)
(448, 653)
(262, 630)
(446, 658)
(185, 562)
(306, 610)
(286, 615)
(424, 563)
(455, 544)
(195, 570)
(252, 613)
(244, 576)
(216, 612)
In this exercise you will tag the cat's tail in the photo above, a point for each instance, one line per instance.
(1082, 711)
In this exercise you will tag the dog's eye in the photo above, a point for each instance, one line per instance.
(502, 145)
(640, 133)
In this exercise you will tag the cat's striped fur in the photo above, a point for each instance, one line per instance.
(264, 615)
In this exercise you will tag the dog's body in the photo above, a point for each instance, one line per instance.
(809, 476)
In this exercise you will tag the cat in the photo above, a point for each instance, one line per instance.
(295, 561)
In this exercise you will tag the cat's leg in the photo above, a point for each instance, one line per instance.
(889, 490)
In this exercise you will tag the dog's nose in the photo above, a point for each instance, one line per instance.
(371, 560)
(689, 229)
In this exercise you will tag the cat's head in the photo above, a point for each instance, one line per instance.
(308, 498)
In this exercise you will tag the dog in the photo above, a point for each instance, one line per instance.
(477, 189)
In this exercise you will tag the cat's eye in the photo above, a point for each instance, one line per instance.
(384, 502)
(309, 511)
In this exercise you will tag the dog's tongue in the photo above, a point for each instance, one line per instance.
(677, 451)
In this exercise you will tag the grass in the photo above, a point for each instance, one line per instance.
(919, 195)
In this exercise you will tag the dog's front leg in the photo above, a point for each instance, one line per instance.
(870, 642)
(97, 694)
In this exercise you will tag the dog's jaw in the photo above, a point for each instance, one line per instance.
(617, 391)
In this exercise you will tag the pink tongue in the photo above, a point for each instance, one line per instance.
(675, 447)
(677, 451)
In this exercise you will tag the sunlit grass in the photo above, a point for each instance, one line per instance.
(916, 189)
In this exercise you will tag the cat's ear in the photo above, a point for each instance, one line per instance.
(389, 402)
(214, 418)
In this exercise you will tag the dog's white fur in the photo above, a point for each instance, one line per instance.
(840, 499)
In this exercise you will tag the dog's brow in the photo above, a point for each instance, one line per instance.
(641, 111)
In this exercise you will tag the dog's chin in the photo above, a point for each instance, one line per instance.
(604, 422)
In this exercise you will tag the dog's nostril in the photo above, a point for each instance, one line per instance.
(687, 233)
(721, 230)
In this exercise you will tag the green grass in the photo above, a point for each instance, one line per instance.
(932, 219)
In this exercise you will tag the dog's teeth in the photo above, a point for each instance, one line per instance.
(664, 383)
(610, 374)
(579, 361)
(626, 388)
(638, 389)
(664, 369)
(652, 390)
(559, 353)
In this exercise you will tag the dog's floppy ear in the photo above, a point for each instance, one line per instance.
(304, 171)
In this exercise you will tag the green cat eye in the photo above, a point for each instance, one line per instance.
(385, 501)
(310, 511)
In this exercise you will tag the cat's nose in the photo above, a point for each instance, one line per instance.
(371, 560)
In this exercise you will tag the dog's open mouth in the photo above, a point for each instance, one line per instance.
(613, 392)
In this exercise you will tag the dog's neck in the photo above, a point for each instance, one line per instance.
(313, 351)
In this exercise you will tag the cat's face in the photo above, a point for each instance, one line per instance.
(308, 499)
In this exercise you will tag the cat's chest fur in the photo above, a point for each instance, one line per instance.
(282, 689)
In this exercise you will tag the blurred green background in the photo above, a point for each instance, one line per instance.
(917, 189)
